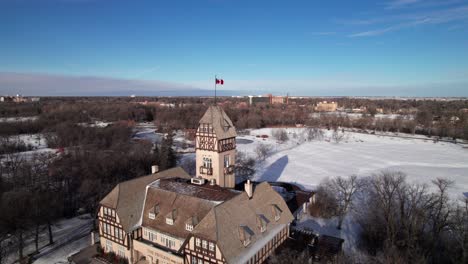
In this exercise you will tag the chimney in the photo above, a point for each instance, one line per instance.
(154, 169)
(92, 238)
(312, 199)
(249, 188)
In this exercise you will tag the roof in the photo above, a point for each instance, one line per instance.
(225, 222)
(127, 197)
(205, 191)
(220, 121)
(181, 207)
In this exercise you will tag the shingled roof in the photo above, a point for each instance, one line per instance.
(186, 207)
(220, 121)
(224, 222)
(127, 198)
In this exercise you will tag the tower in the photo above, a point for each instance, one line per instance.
(216, 148)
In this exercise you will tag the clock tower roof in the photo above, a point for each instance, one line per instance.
(220, 121)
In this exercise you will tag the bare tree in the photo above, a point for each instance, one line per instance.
(3, 245)
(281, 135)
(245, 166)
(314, 133)
(262, 151)
(344, 190)
(459, 228)
(440, 210)
(338, 136)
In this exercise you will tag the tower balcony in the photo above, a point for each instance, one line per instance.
(229, 169)
(206, 170)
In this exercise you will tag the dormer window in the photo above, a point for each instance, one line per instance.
(171, 217)
(169, 221)
(153, 212)
(190, 223)
(262, 222)
(245, 234)
(276, 211)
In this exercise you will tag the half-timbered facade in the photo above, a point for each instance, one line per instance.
(171, 217)
(216, 148)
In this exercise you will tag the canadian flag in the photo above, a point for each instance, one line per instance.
(219, 81)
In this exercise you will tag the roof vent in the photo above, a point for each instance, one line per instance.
(197, 181)
(212, 182)
(249, 188)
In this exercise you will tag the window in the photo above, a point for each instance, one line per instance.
(168, 242)
(152, 236)
(109, 212)
(119, 233)
(212, 246)
(169, 221)
(194, 260)
(106, 228)
(151, 216)
(121, 252)
(189, 227)
(226, 161)
(207, 162)
(108, 245)
(246, 242)
(204, 244)
(262, 228)
(197, 242)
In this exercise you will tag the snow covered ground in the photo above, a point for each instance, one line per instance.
(36, 141)
(308, 163)
(70, 236)
(18, 119)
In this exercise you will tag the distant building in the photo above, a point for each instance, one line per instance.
(326, 106)
(17, 99)
(268, 99)
(361, 109)
(171, 217)
(259, 99)
(278, 99)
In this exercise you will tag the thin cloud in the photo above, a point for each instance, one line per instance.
(458, 14)
(401, 3)
(56, 85)
(325, 33)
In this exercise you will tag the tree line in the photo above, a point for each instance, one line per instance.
(399, 222)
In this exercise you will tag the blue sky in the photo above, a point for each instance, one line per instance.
(394, 47)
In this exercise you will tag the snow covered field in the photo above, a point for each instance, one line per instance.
(308, 163)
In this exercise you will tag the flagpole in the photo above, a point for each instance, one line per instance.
(215, 89)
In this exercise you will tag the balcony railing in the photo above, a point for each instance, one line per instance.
(229, 169)
(205, 170)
